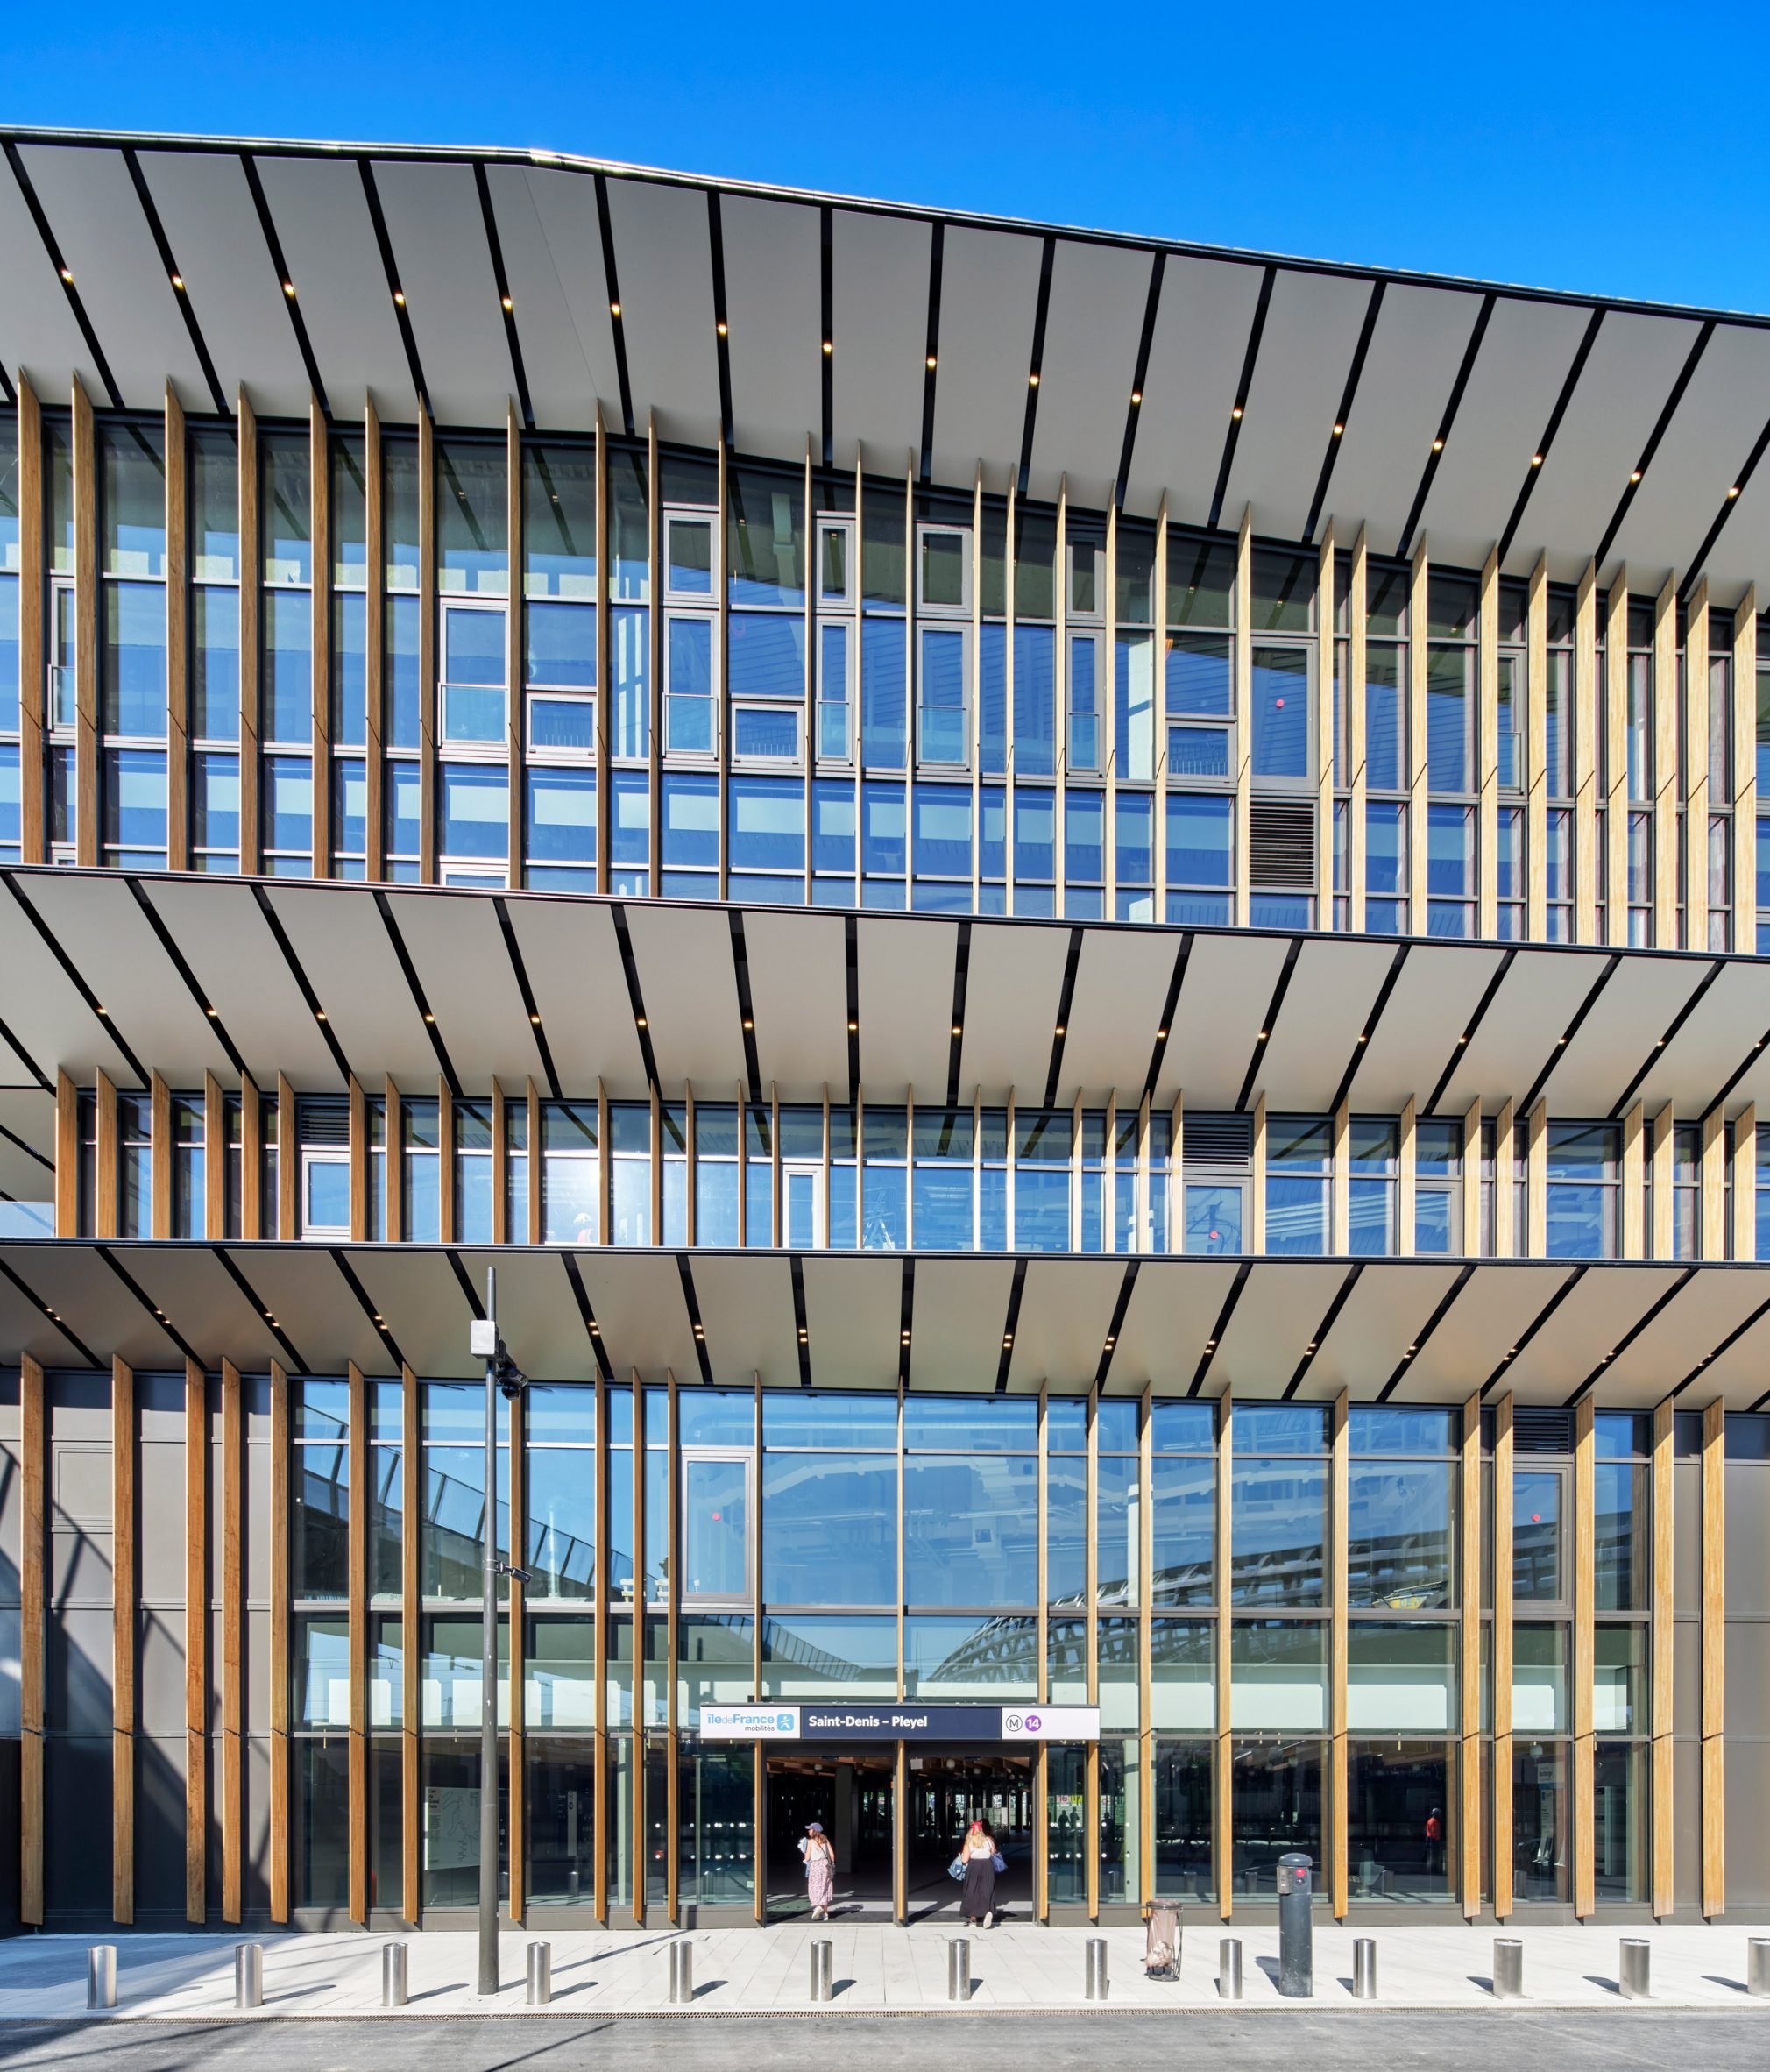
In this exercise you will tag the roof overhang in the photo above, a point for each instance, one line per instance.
(1210, 379)
(1418, 1331)
(128, 973)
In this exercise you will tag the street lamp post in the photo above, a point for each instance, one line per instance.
(503, 1377)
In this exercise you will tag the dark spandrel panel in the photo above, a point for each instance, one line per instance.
(1747, 1436)
(986, 1424)
(76, 1791)
(1280, 1427)
(159, 1827)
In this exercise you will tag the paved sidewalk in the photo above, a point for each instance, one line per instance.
(879, 1969)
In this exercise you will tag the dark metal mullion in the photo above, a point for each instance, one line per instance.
(1662, 425)
(463, 1280)
(1737, 1074)
(1239, 407)
(1036, 369)
(932, 357)
(611, 279)
(1589, 338)
(64, 273)
(180, 289)
(1463, 372)
(505, 302)
(391, 268)
(425, 1011)
(285, 281)
(1140, 375)
(1342, 417)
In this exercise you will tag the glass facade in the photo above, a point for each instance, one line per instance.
(829, 707)
(987, 1550)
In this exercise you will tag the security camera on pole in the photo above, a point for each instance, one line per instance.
(503, 1377)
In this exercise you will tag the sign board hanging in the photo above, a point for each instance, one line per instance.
(893, 1720)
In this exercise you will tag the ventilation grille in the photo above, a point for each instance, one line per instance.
(1542, 1432)
(1281, 842)
(323, 1120)
(1218, 1140)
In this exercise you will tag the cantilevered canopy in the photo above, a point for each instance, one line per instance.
(1140, 370)
(130, 975)
(1416, 1331)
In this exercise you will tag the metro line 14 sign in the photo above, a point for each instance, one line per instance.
(900, 1721)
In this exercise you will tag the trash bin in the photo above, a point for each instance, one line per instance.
(1162, 1940)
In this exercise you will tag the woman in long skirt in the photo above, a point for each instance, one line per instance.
(977, 1852)
(820, 1870)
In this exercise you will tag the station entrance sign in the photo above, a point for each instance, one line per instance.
(893, 1721)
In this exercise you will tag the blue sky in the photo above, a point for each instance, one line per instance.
(1619, 149)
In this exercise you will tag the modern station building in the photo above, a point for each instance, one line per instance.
(1078, 919)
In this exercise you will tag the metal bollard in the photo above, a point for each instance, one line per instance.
(682, 1974)
(1094, 1968)
(822, 1971)
(540, 1974)
(392, 1974)
(958, 1968)
(1508, 1967)
(1632, 1972)
(1296, 1928)
(249, 1975)
(1364, 1969)
(1758, 1966)
(1230, 1967)
(101, 1975)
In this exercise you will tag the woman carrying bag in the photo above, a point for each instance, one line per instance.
(977, 1862)
(820, 1870)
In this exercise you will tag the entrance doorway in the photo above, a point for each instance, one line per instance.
(948, 1792)
(851, 1794)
